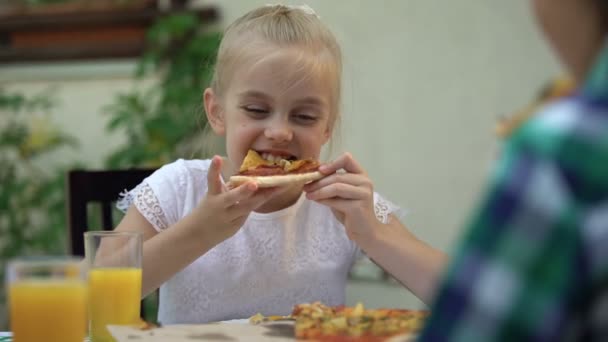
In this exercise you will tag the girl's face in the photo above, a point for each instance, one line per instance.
(278, 107)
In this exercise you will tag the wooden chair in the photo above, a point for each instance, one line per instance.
(103, 187)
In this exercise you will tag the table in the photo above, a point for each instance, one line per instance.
(223, 331)
(7, 336)
(237, 330)
(233, 331)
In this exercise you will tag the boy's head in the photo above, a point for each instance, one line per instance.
(276, 85)
(576, 29)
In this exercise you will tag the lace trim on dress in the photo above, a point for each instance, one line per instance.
(383, 208)
(146, 202)
(125, 200)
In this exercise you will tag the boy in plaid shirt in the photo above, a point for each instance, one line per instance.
(534, 263)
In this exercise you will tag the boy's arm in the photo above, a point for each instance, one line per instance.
(515, 268)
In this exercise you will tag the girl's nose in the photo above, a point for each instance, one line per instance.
(279, 132)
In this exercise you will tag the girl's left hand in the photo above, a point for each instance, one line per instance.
(349, 192)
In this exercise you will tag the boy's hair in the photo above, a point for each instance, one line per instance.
(257, 34)
(603, 8)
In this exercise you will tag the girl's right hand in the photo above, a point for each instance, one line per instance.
(223, 211)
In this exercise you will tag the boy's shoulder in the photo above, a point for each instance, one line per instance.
(563, 126)
(570, 137)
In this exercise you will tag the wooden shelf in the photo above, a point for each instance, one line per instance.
(81, 35)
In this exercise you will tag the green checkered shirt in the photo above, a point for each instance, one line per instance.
(533, 265)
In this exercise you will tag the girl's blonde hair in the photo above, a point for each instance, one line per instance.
(257, 35)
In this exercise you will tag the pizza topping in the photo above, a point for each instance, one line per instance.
(268, 164)
(144, 325)
(323, 323)
(253, 160)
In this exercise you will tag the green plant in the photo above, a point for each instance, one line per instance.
(32, 201)
(160, 120)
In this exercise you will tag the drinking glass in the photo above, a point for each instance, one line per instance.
(47, 299)
(115, 276)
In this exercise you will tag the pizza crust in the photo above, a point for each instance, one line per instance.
(278, 180)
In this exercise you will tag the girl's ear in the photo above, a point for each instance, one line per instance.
(327, 135)
(329, 130)
(214, 111)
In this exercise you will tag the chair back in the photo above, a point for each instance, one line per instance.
(103, 187)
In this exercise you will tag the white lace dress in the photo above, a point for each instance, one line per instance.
(276, 260)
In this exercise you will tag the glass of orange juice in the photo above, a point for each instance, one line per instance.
(114, 260)
(47, 299)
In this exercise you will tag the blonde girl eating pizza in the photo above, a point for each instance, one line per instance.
(220, 252)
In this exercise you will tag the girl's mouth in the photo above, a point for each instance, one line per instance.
(276, 156)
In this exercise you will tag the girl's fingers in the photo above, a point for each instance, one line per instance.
(239, 194)
(344, 162)
(254, 201)
(338, 190)
(214, 182)
(340, 177)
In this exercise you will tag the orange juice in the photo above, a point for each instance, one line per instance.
(48, 310)
(114, 297)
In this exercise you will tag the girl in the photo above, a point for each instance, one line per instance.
(220, 253)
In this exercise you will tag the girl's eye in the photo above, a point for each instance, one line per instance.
(255, 111)
(305, 118)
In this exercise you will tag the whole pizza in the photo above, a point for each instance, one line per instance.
(316, 321)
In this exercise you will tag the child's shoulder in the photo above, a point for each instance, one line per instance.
(184, 165)
(190, 163)
(542, 136)
(183, 170)
(559, 123)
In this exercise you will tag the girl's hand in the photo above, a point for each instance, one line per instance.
(223, 211)
(349, 193)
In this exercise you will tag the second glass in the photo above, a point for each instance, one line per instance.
(115, 276)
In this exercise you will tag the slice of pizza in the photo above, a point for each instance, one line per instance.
(275, 171)
(316, 321)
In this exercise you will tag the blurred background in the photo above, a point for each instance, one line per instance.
(117, 84)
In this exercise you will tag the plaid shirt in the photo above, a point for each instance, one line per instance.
(533, 265)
